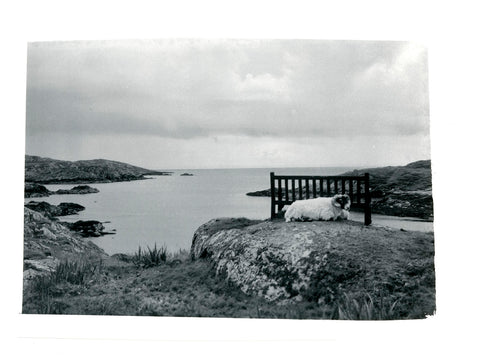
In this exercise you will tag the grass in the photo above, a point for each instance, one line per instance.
(154, 282)
(69, 276)
(150, 257)
(351, 308)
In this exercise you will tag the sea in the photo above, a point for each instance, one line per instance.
(166, 210)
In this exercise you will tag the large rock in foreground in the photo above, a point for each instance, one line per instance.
(319, 261)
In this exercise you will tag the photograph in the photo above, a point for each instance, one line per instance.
(255, 178)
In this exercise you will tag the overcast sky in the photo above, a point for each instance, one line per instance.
(170, 104)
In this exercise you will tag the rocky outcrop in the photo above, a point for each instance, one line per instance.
(46, 242)
(313, 261)
(405, 203)
(186, 175)
(33, 190)
(52, 171)
(52, 211)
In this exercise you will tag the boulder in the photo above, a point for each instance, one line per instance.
(39, 267)
(312, 261)
(46, 242)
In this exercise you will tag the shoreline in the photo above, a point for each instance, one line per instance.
(93, 181)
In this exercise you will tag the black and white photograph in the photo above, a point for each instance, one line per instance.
(230, 178)
(255, 178)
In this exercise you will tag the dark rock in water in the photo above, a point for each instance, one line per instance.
(33, 190)
(186, 175)
(70, 208)
(51, 211)
(88, 228)
(79, 189)
(265, 192)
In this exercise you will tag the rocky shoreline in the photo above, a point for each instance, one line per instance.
(46, 242)
(52, 171)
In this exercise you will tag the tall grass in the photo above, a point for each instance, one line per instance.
(365, 308)
(150, 257)
(74, 272)
(43, 289)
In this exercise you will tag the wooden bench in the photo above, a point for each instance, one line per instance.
(285, 189)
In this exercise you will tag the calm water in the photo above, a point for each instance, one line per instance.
(168, 209)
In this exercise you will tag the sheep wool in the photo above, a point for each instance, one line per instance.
(319, 209)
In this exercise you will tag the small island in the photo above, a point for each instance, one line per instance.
(186, 175)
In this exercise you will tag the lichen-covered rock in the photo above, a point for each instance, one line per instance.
(46, 242)
(34, 268)
(311, 261)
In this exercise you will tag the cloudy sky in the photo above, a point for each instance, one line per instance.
(229, 103)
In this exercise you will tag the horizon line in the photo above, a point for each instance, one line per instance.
(257, 167)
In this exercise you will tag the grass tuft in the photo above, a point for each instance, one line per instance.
(150, 257)
(41, 294)
(365, 308)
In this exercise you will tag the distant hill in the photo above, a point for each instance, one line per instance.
(53, 171)
(413, 176)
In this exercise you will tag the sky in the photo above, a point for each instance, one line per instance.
(212, 103)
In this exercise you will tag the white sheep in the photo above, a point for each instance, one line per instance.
(333, 208)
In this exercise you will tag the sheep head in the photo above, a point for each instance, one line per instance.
(341, 201)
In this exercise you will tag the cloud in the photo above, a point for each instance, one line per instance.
(228, 88)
